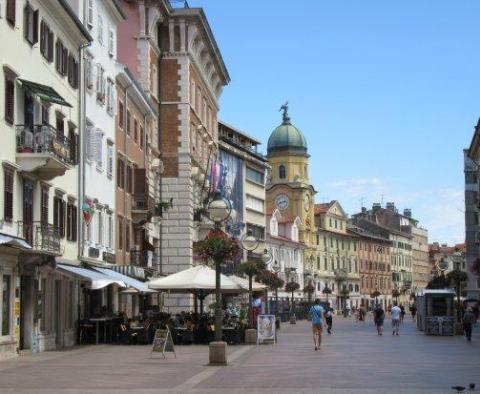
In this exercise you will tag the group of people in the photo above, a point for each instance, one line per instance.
(397, 314)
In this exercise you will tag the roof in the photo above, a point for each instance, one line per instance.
(323, 207)
(287, 136)
(75, 20)
(238, 131)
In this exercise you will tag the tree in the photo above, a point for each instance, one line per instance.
(456, 278)
(291, 287)
(395, 294)
(309, 289)
(326, 290)
(375, 295)
(250, 269)
(274, 282)
(438, 282)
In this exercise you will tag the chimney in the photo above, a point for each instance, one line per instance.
(407, 212)
(391, 206)
(376, 205)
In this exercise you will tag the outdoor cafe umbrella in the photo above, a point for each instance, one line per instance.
(256, 287)
(199, 280)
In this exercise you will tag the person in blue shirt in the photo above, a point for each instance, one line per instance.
(316, 313)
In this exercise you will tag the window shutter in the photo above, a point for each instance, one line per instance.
(11, 8)
(69, 221)
(8, 195)
(50, 45)
(64, 60)
(9, 100)
(62, 217)
(140, 181)
(75, 74)
(26, 19)
(44, 207)
(111, 42)
(42, 38)
(90, 13)
(74, 223)
(90, 143)
(100, 29)
(35, 27)
(98, 148)
(58, 56)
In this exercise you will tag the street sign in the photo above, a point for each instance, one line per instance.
(163, 343)
(266, 329)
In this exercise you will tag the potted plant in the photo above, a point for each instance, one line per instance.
(163, 206)
(309, 289)
(326, 290)
(250, 269)
(375, 295)
(217, 246)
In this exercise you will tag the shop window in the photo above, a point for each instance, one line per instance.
(8, 181)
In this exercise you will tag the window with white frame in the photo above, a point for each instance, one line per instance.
(294, 233)
(254, 203)
(100, 228)
(109, 230)
(100, 85)
(90, 14)
(90, 137)
(99, 148)
(111, 42)
(89, 83)
(110, 159)
(110, 96)
(100, 29)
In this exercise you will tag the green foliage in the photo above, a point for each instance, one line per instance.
(375, 294)
(290, 287)
(309, 288)
(248, 268)
(395, 293)
(271, 279)
(438, 282)
(217, 246)
(456, 277)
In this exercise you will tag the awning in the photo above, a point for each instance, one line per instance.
(129, 270)
(9, 240)
(129, 281)
(244, 283)
(44, 92)
(97, 279)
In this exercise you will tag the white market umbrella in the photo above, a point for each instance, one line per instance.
(193, 280)
(243, 282)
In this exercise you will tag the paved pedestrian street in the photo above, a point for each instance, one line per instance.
(353, 360)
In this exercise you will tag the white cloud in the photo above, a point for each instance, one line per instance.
(441, 210)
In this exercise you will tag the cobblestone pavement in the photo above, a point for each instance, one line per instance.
(353, 360)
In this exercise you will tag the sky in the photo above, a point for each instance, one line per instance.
(386, 94)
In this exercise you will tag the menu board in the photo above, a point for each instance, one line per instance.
(163, 343)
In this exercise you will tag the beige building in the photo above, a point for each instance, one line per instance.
(40, 124)
(422, 270)
(336, 266)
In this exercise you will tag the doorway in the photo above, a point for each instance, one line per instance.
(57, 310)
(27, 285)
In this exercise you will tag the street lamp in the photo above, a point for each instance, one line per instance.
(266, 258)
(249, 243)
(218, 210)
(276, 268)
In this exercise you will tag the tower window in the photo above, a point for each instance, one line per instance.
(282, 172)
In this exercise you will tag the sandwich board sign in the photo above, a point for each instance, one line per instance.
(266, 329)
(163, 343)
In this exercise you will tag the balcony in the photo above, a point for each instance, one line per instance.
(43, 237)
(139, 258)
(43, 151)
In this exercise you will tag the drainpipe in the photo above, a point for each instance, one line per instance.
(81, 147)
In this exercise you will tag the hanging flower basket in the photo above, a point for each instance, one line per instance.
(217, 246)
(290, 287)
(308, 288)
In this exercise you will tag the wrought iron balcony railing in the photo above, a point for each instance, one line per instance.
(43, 237)
(44, 139)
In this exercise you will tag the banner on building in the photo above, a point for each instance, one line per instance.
(266, 329)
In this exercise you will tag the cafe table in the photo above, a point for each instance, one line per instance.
(97, 321)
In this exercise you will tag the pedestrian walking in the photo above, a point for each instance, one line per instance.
(413, 311)
(378, 318)
(328, 314)
(468, 322)
(316, 313)
(396, 315)
(402, 313)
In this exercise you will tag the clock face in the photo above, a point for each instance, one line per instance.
(306, 202)
(281, 201)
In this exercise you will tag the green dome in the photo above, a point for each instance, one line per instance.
(287, 136)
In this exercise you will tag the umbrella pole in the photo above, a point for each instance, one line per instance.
(195, 303)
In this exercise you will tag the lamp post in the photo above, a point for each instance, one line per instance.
(266, 258)
(219, 210)
(250, 243)
(276, 268)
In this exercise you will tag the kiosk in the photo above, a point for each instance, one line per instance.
(436, 312)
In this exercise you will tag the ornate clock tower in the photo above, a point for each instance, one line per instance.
(289, 189)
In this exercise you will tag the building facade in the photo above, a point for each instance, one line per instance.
(97, 167)
(336, 265)
(422, 270)
(472, 211)
(373, 254)
(41, 121)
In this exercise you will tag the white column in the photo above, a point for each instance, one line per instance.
(182, 35)
(171, 35)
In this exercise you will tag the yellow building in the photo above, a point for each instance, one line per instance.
(288, 187)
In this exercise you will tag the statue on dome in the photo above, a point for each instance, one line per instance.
(284, 108)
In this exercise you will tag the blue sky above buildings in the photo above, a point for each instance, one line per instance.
(385, 93)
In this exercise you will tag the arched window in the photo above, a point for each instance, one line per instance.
(282, 172)
(356, 288)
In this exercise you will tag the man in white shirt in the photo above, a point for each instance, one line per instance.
(396, 312)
